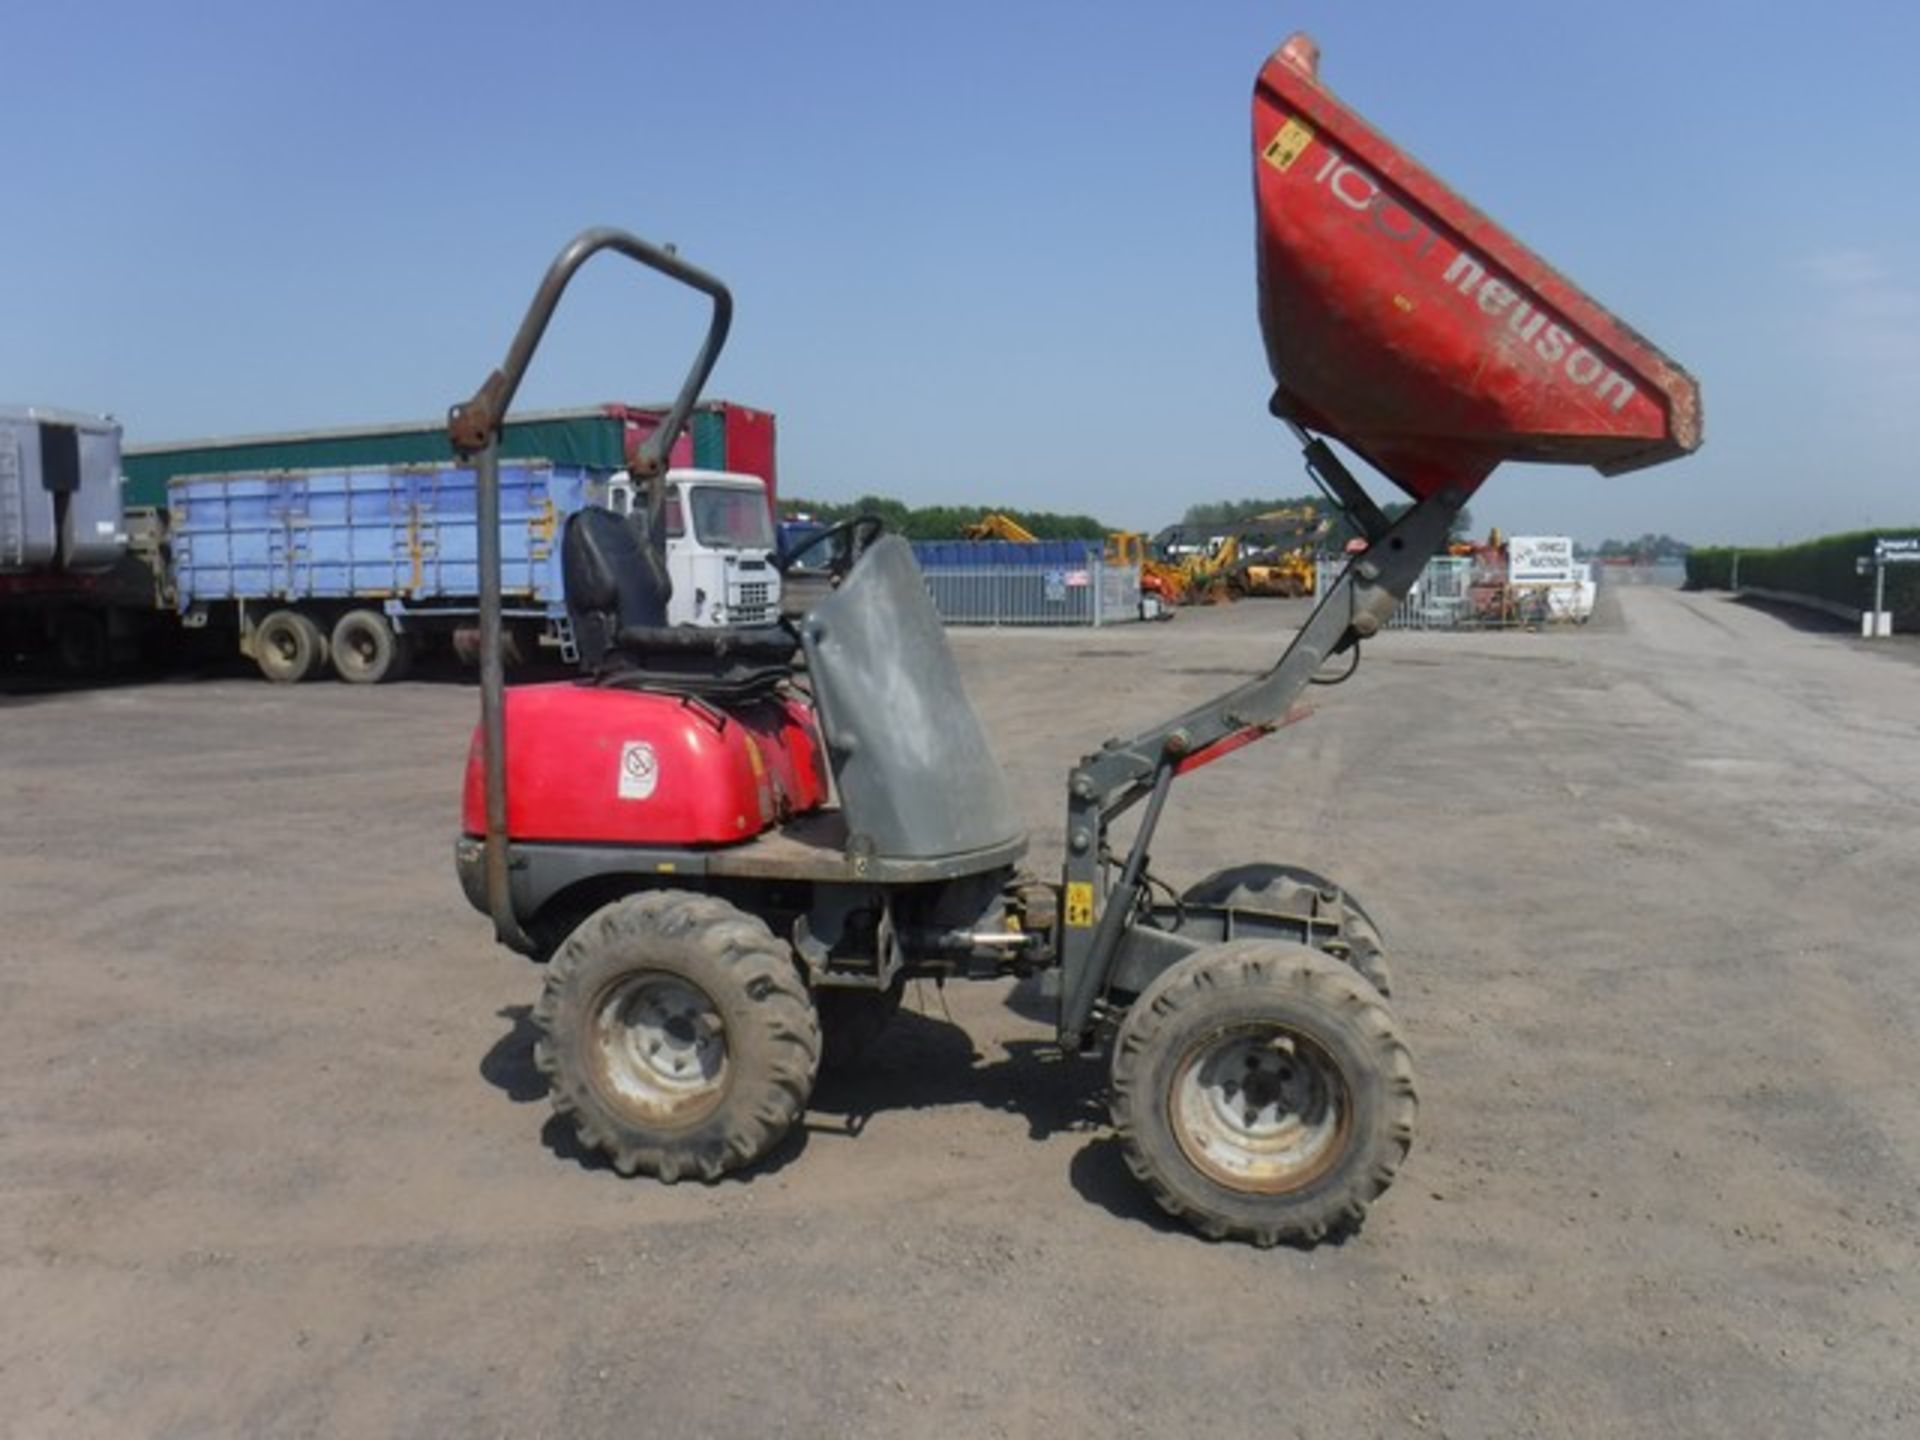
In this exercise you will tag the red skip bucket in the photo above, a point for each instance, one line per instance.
(1401, 320)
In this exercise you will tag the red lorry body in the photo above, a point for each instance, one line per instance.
(746, 439)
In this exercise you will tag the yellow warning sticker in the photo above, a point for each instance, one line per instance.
(1289, 143)
(1079, 904)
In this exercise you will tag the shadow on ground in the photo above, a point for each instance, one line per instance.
(1099, 1174)
(1799, 617)
(26, 682)
(922, 1062)
(508, 1065)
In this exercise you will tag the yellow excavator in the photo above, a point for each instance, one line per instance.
(1124, 547)
(1273, 552)
(1267, 554)
(995, 526)
(1212, 573)
(1169, 582)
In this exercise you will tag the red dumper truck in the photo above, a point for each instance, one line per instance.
(732, 849)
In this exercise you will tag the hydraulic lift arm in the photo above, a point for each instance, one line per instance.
(1095, 917)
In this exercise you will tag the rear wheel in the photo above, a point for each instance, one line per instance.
(1297, 892)
(366, 650)
(1262, 1093)
(677, 1036)
(288, 647)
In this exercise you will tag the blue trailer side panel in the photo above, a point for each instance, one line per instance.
(534, 504)
(976, 554)
(406, 535)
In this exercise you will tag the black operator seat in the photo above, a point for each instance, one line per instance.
(617, 592)
(910, 759)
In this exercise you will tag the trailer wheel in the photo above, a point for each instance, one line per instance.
(851, 1020)
(81, 645)
(366, 651)
(288, 647)
(515, 648)
(677, 1036)
(1262, 1093)
(1291, 890)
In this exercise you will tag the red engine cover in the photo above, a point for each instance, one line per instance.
(628, 767)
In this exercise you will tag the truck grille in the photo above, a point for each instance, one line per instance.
(751, 604)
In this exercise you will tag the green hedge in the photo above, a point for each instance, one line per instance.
(1710, 568)
(1823, 568)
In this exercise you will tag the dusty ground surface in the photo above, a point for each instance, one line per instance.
(274, 1160)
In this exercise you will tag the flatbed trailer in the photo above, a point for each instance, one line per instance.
(362, 568)
(356, 546)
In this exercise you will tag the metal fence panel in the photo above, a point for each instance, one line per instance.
(1448, 596)
(1440, 599)
(1089, 594)
(1119, 589)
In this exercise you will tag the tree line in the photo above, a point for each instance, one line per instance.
(942, 522)
(1649, 549)
(947, 522)
(1212, 515)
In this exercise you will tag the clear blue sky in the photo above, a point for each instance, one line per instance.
(982, 252)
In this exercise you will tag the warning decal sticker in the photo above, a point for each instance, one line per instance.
(1289, 143)
(639, 770)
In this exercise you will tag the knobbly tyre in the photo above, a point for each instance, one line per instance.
(734, 847)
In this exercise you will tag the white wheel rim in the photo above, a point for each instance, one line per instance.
(1260, 1108)
(658, 1048)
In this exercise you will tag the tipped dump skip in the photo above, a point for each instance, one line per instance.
(1401, 320)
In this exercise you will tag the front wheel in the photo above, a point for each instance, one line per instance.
(1262, 1093)
(677, 1036)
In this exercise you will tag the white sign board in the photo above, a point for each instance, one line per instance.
(1897, 552)
(1540, 560)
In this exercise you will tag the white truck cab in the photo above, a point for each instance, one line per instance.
(720, 546)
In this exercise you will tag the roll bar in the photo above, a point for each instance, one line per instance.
(474, 428)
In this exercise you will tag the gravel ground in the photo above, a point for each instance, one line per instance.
(274, 1160)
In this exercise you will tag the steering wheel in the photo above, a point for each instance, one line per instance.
(859, 533)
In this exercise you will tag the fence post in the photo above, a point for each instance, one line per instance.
(1098, 574)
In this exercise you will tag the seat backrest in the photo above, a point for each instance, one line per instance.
(910, 759)
(613, 579)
